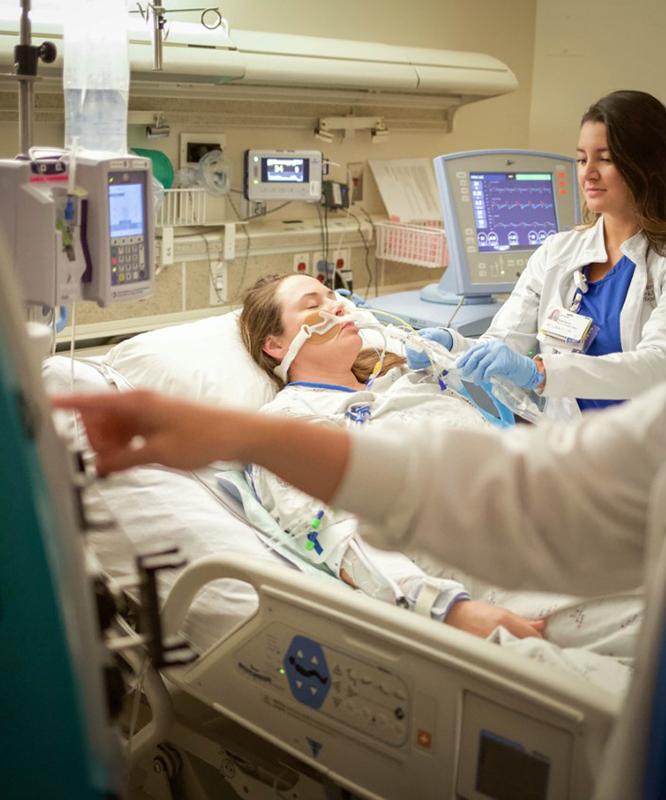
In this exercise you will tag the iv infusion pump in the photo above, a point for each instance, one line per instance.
(88, 238)
(283, 175)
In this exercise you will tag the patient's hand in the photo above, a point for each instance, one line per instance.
(481, 619)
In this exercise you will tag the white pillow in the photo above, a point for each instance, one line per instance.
(203, 361)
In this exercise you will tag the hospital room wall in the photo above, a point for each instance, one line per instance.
(504, 30)
(582, 51)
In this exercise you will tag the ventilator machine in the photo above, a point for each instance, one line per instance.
(498, 207)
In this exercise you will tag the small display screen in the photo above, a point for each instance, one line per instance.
(506, 772)
(285, 170)
(512, 210)
(126, 205)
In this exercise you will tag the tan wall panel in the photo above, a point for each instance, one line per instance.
(583, 50)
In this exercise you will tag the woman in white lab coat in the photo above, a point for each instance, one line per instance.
(613, 271)
(576, 508)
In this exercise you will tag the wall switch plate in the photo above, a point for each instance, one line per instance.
(167, 246)
(218, 281)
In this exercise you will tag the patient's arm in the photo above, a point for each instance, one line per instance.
(380, 574)
(481, 619)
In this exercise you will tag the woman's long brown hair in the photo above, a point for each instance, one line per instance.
(636, 131)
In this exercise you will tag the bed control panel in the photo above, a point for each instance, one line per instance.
(338, 685)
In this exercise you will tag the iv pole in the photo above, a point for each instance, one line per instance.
(26, 58)
(211, 18)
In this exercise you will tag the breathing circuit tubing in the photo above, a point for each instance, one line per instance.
(442, 362)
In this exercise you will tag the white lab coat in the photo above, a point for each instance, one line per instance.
(548, 280)
(578, 508)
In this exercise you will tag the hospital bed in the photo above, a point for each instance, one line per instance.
(301, 687)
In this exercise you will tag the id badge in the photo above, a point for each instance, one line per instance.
(567, 331)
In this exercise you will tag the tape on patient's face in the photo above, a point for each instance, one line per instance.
(314, 319)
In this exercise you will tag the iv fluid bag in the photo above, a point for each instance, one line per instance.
(96, 74)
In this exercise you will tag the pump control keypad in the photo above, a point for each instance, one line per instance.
(128, 260)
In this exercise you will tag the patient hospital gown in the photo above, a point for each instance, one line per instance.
(594, 638)
(399, 396)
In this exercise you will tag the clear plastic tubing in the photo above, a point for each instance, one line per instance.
(96, 74)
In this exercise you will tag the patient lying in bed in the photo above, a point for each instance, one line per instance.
(327, 383)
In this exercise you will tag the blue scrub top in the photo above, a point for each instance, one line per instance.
(603, 302)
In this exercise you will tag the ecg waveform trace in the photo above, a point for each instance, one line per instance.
(510, 214)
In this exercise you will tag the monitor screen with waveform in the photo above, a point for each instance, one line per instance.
(512, 210)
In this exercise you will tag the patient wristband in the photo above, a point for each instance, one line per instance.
(432, 594)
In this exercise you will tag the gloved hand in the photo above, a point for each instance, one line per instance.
(356, 299)
(419, 360)
(495, 359)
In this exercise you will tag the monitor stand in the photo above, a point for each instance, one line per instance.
(435, 306)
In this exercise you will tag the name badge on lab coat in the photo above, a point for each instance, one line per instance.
(567, 331)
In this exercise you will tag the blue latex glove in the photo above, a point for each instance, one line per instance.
(496, 360)
(419, 360)
(356, 299)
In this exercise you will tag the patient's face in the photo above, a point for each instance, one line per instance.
(301, 298)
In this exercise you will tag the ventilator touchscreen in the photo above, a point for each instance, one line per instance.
(512, 210)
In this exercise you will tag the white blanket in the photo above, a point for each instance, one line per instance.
(595, 638)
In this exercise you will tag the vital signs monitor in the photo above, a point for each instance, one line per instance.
(283, 175)
(498, 207)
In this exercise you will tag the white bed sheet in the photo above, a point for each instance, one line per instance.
(155, 508)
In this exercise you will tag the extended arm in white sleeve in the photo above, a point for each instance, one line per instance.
(536, 507)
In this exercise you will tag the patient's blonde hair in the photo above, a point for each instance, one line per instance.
(261, 317)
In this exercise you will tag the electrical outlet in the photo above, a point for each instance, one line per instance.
(341, 258)
(301, 264)
(344, 277)
(355, 181)
(218, 281)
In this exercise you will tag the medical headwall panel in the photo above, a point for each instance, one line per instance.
(369, 72)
